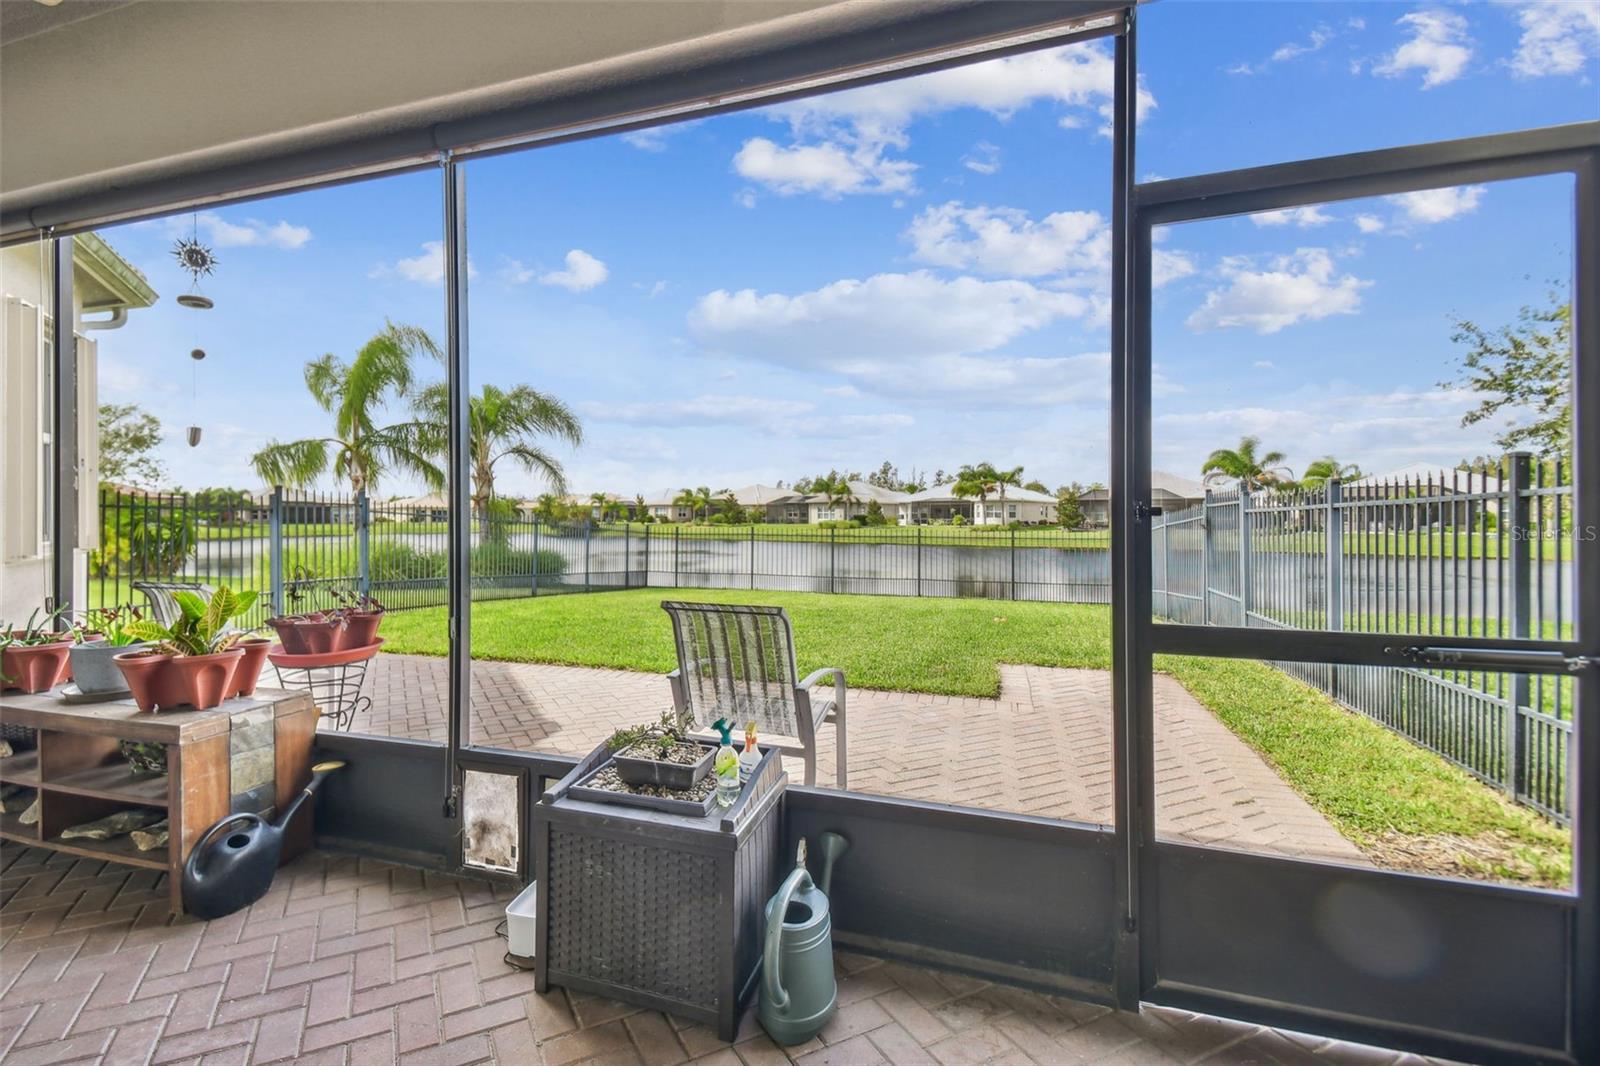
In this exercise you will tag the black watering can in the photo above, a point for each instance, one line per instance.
(233, 864)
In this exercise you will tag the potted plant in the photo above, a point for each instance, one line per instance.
(101, 637)
(195, 660)
(309, 634)
(249, 673)
(362, 615)
(34, 658)
(660, 754)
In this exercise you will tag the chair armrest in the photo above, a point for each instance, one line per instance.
(816, 676)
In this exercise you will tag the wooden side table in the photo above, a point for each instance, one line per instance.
(251, 754)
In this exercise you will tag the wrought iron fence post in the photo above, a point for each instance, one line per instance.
(627, 555)
(275, 549)
(1245, 581)
(1166, 565)
(833, 559)
(1520, 503)
(676, 530)
(646, 582)
(1333, 560)
(1013, 564)
(588, 538)
(536, 555)
(919, 560)
(363, 543)
(1205, 559)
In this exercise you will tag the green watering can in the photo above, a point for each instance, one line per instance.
(798, 993)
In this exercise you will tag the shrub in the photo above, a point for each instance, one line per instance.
(398, 561)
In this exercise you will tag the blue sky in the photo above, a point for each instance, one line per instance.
(918, 271)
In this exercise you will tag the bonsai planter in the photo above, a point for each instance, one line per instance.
(170, 681)
(36, 667)
(642, 770)
(662, 910)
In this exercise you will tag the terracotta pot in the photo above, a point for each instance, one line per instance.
(318, 638)
(207, 680)
(146, 676)
(249, 672)
(360, 629)
(38, 667)
(289, 633)
(170, 682)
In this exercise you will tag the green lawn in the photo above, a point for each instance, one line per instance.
(1400, 803)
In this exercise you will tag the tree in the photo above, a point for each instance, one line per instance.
(1244, 464)
(835, 488)
(640, 509)
(689, 498)
(129, 436)
(355, 393)
(1524, 368)
(599, 502)
(1002, 478)
(1323, 470)
(1037, 486)
(549, 509)
(976, 481)
(1069, 509)
(886, 476)
(875, 515)
(502, 425)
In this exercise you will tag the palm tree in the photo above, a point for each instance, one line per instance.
(1326, 469)
(503, 424)
(835, 488)
(1002, 478)
(548, 509)
(354, 393)
(599, 502)
(976, 481)
(688, 498)
(1243, 464)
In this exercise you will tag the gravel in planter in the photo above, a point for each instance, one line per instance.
(609, 781)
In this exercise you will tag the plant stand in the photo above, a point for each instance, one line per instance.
(661, 910)
(334, 679)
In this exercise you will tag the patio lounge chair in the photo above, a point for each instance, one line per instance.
(163, 604)
(737, 662)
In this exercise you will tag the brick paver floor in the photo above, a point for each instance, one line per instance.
(1210, 786)
(366, 964)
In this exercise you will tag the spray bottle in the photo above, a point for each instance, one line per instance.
(750, 757)
(727, 765)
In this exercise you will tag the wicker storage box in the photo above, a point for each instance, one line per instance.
(662, 910)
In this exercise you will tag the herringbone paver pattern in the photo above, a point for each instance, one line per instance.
(366, 964)
(1056, 722)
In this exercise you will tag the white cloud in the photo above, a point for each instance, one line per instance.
(745, 198)
(705, 409)
(886, 317)
(1427, 206)
(843, 392)
(993, 382)
(425, 268)
(1005, 241)
(1369, 223)
(1264, 364)
(1297, 288)
(244, 233)
(1314, 42)
(983, 159)
(583, 272)
(843, 140)
(1168, 266)
(1439, 47)
(1557, 38)
(827, 169)
(1301, 217)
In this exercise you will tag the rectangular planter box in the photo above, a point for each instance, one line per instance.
(662, 910)
(638, 771)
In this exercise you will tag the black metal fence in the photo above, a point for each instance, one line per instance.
(1481, 553)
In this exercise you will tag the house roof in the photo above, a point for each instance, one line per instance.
(106, 280)
(1160, 481)
(864, 491)
(762, 495)
(1426, 473)
(946, 493)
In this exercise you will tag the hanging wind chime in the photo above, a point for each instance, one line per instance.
(200, 262)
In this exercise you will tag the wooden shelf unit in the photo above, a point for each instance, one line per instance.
(79, 773)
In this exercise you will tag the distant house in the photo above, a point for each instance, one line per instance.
(430, 508)
(1167, 491)
(778, 505)
(941, 504)
(1423, 481)
(862, 493)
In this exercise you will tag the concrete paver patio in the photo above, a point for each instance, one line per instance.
(350, 962)
(1211, 787)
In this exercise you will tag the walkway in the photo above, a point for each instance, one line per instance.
(1210, 786)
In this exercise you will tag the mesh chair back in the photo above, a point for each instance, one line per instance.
(736, 662)
(163, 604)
